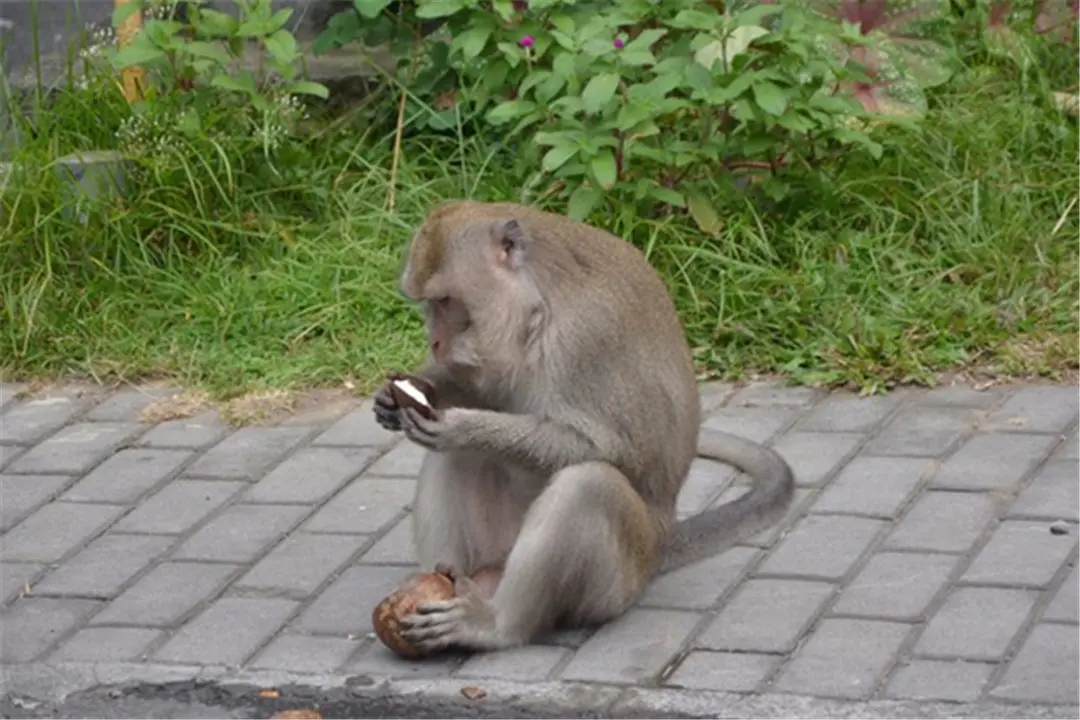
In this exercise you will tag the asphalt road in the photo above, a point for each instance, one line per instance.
(57, 21)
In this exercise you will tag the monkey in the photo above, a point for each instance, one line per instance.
(566, 419)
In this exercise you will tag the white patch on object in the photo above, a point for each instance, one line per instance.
(412, 391)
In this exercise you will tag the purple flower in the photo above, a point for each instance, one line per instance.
(527, 41)
(520, 5)
(619, 43)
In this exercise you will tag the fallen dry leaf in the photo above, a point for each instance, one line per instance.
(269, 693)
(473, 693)
(297, 714)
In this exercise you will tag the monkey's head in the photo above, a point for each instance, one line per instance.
(468, 267)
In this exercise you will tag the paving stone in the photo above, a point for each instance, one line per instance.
(375, 660)
(104, 566)
(753, 423)
(358, 428)
(922, 432)
(304, 653)
(1045, 670)
(166, 594)
(1070, 449)
(31, 420)
(20, 495)
(1054, 494)
(843, 658)
(76, 448)
(814, 455)
(960, 628)
(301, 563)
(875, 486)
(14, 577)
(227, 632)
(713, 394)
(531, 663)
(1037, 410)
(943, 521)
(766, 615)
(404, 461)
(996, 461)
(101, 644)
(847, 412)
(178, 506)
(723, 672)
(395, 547)
(127, 475)
(568, 637)
(31, 625)
(367, 505)
(822, 546)
(896, 585)
(699, 586)
(768, 394)
(248, 452)
(704, 482)
(126, 405)
(1021, 553)
(1066, 603)
(55, 530)
(199, 431)
(952, 681)
(345, 606)
(310, 475)
(8, 453)
(633, 648)
(962, 396)
(241, 533)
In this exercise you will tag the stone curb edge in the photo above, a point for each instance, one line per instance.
(53, 682)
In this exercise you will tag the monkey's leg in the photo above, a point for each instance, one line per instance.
(585, 552)
(462, 514)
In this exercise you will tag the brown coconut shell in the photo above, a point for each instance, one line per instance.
(403, 399)
(414, 591)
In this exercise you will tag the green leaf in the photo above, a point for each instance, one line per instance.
(770, 98)
(208, 50)
(278, 19)
(604, 170)
(507, 111)
(428, 9)
(557, 156)
(667, 195)
(644, 41)
(282, 46)
(216, 23)
(704, 214)
(136, 54)
(599, 91)
(370, 8)
(755, 14)
(696, 20)
(582, 201)
(472, 41)
(307, 87)
(228, 83)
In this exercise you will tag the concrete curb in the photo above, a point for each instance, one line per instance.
(54, 683)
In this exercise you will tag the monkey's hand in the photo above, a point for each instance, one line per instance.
(387, 412)
(464, 621)
(438, 434)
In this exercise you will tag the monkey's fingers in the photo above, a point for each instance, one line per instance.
(389, 419)
(419, 429)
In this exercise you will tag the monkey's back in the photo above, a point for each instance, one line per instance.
(621, 325)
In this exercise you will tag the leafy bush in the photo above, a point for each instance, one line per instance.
(656, 103)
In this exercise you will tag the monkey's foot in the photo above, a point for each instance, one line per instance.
(466, 621)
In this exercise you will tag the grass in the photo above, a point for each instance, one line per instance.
(225, 272)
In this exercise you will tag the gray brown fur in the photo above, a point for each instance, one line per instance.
(568, 418)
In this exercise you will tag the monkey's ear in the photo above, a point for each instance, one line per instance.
(511, 241)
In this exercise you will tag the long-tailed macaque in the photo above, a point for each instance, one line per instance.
(567, 416)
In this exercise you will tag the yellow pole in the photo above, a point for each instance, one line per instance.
(133, 78)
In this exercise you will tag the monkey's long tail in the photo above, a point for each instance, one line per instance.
(713, 531)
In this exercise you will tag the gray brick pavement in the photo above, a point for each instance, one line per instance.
(916, 564)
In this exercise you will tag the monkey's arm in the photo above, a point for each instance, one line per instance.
(538, 443)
